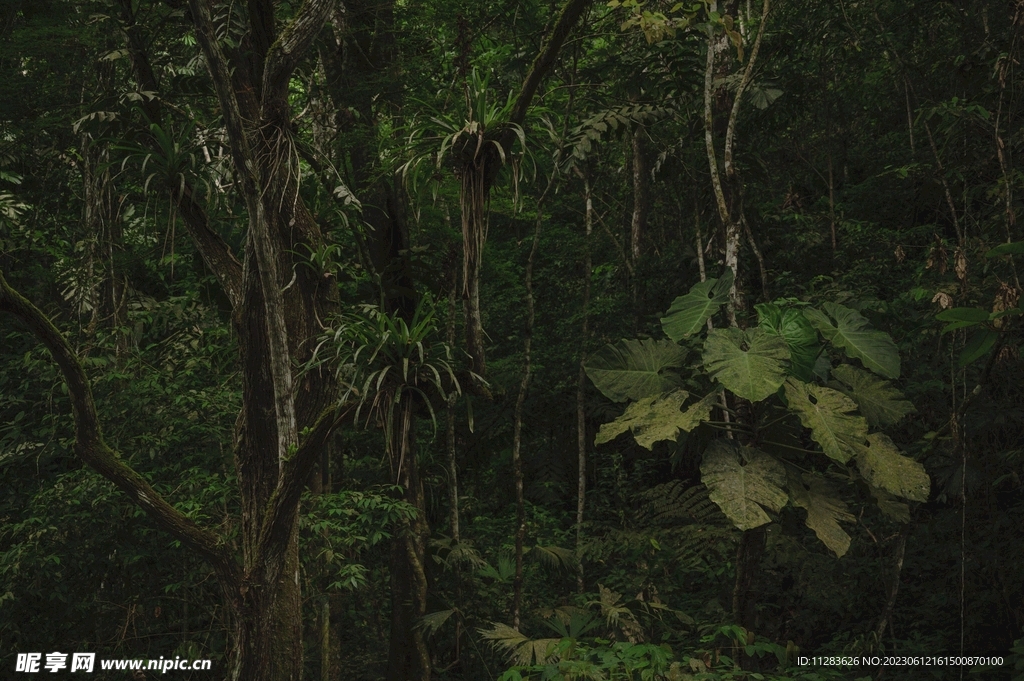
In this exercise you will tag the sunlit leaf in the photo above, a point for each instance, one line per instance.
(889, 506)
(824, 510)
(882, 464)
(741, 490)
(877, 400)
(829, 415)
(634, 369)
(750, 363)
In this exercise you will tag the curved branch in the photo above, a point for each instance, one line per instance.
(571, 12)
(295, 471)
(291, 46)
(214, 251)
(217, 64)
(748, 72)
(94, 451)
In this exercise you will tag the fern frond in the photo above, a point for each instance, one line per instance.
(677, 503)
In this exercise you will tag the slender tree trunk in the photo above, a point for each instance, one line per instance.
(581, 383)
(517, 428)
(408, 657)
(894, 585)
(453, 469)
(638, 221)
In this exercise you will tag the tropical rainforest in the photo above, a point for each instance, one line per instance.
(513, 339)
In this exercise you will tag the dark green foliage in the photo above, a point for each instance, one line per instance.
(867, 410)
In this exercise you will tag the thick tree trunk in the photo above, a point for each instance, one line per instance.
(268, 624)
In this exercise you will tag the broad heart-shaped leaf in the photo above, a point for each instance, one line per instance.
(847, 330)
(882, 465)
(827, 413)
(888, 505)
(800, 336)
(689, 313)
(633, 369)
(750, 363)
(741, 490)
(657, 418)
(879, 402)
(824, 510)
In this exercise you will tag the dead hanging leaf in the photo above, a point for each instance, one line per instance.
(900, 254)
(1006, 299)
(1007, 353)
(961, 264)
(943, 299)
(937, 256)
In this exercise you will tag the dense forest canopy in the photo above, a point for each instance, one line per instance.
(352, 339)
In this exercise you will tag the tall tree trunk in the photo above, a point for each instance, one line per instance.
(408, 657)
(638, 220)
(581, 381)
(517, 426)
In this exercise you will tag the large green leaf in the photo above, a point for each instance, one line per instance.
(741, 490)
(828, 413)
(802, 339)
(882, 464)
(634, 369)
(980, 342)
(689, 313)
(880, 403)
(888, 505)
(1012, 248)
(750, 363)
(847, 330)
(962, 317)
(658, 418)
(824, 510)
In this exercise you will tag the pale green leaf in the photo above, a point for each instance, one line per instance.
(882, 465)
(689, 313)
(432, 622)
(634, 369)
(847, 330)
(519, 649)
(878, 401)
(741, 490)
(752, 363)
(824, 510)
(829, 415)
(802, 339)
(651, 419)
(888, 505)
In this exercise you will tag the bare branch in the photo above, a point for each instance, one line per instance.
(94, 451)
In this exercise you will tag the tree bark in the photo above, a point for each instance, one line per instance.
(408, 657)
(581, 381)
